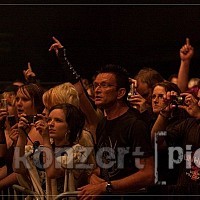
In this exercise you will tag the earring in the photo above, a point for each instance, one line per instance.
(51, 140)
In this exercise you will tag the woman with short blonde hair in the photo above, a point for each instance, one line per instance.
(63, 93)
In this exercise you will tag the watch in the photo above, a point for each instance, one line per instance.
(109, 187)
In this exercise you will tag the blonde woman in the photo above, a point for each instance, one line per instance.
(66, 93)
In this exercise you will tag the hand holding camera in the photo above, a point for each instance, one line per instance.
(177, 100)
(42, 126)
(11, 120)
(32, 119)
(14, 134)
(26, 121)
(191, 105)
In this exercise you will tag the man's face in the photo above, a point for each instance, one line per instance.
(105, 89)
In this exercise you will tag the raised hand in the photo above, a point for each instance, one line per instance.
(57, 45)
(187, 51)
(23, 125)
(28, 73)
(169, 105)
(138, 102)
(14, 133)
(3, 114)
(190, 105)
(42, 126)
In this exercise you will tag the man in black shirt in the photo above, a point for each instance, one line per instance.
(124, 153)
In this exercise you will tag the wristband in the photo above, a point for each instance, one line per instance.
(71, 75)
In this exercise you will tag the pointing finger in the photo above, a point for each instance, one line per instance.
(29, 66)
(55, 39)
(187, 41)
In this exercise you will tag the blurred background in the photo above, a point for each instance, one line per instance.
(133, 36)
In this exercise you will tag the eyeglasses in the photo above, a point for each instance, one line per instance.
(103, 85)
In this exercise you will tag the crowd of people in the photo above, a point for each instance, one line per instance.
(121, 137)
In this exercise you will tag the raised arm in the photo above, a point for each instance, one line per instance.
(191, 105)
(19, 166)
(29, 75)
(92, 115)
(162, 119)
(51, 170)
(186, 54)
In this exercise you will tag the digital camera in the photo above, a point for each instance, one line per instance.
(4, 104)
(12, 120)
(32, 118)
(178, 100)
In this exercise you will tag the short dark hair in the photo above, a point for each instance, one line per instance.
(121, 74)
(169, 86)
(36, 92)
(74, 118)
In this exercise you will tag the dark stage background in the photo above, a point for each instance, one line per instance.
(133, 36)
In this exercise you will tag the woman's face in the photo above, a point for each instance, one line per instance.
(158, 99)
(24, 103)
(58, 126)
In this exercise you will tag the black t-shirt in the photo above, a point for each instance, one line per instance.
(187, 135)
(126, 135)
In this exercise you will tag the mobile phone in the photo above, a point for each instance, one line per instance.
(3, 104)
(132, 89)
(12, 120)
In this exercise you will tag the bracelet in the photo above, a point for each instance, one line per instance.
(166, 117)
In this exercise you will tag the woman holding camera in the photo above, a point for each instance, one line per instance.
(184, 136)
(65, 126)
(52, 97)
(28, 101)
(159, 104)
(28, 104)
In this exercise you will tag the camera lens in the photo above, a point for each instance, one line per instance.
(178, 100)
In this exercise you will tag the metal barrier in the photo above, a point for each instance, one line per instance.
(7, 194)
(21, 193)
(67, 195)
